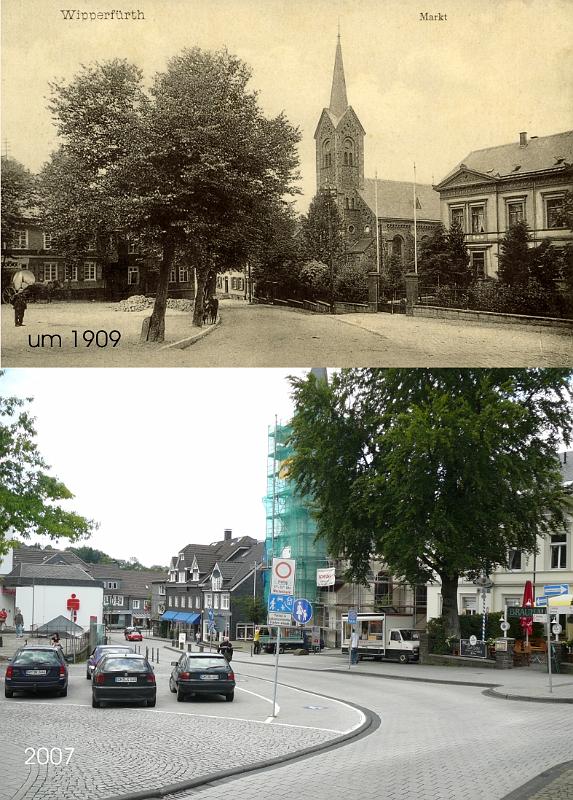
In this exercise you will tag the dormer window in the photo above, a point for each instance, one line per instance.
(195, 574)
(216, 581)
(182, 576)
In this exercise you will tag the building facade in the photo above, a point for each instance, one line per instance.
(367, 205)
(493, 188)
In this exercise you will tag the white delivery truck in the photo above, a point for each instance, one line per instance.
(381, 636)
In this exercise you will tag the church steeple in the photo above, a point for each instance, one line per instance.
(338, 99)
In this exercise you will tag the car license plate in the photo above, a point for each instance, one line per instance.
(126, 680)
(36, 672)
(209, 677)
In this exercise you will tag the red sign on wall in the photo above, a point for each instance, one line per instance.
(73, 606)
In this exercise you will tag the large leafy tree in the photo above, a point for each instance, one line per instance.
(437, 472)
(18, 196)
(434, 256)
(514, 256)
(275, 253)
(458, 257)
(29, 495)
(322, 230)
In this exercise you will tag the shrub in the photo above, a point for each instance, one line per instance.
(352, 284)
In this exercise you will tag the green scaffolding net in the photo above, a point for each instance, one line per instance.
(290, 529)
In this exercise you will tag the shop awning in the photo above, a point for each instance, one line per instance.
(169, 615)
(182, 616)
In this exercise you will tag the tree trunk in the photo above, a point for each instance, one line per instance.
(450, 604)
(156, 331)
(202, 275)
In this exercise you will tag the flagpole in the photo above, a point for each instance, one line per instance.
(415, 228)
(376, 224)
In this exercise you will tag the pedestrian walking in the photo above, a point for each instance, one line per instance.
(257, 641)
(354, 640)
(19, 623)
(226, 648)
(197, 637)
(3, 618)
(20, 306)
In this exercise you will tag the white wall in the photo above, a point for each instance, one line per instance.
(41, 603)
(7, 562)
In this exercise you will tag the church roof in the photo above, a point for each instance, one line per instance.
(396, 199)
(539, 154)
(338, 99)
(360, 246)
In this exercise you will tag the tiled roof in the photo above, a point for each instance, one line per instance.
(539, 154)
(69, 572)
(396, 199)
(133, 582)
(33, 555)
(360, 246)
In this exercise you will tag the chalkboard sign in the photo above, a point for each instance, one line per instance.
(477, 650)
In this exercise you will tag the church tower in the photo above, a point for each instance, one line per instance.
(339, 140)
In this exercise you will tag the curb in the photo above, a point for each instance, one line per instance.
(539, 783)
(501, 696)
(181, 344)
(370, 724)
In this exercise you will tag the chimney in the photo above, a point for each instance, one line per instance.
(228, 534)
(523, 139)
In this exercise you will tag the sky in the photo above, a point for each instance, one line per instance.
(160, 460)
(425, 91)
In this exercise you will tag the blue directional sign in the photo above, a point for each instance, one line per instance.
(281, 603)
(541, 601)
(302, 611)
(352, 616)
(553, 589)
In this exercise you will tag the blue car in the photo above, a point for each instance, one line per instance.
(103, 649)
(37, 668)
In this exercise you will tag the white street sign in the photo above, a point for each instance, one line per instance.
(282, 576)
(278, 619)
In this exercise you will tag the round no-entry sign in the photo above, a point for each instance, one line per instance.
(283, 569)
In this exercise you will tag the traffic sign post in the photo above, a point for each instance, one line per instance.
(302, 611)
(281, 596)
(352, 620)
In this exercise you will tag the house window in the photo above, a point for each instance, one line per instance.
(91, 244)
(182, 576)
(117, 600)
(71, 273)
(107, 599)
(20, 239)
(225, 602)
(512, 600)
(478, 263)
(478, 219)
(132, 275)
(469, 604)
(47, 241)
(183, 274)
(215, 601)
(135, 604)
(51, 271)
(233, 283)
(170, 601)
(176, 601)
(457, 216)
(208, 600)
(90, 273)
(172, 275)
(347, 203)
(382, 589)
(515, 212)
(558, 551)
(133, 248)
(217, 582)
(197, 602)
(554, 212)
(112, 584)
(397, 247)
(162, 589)
(515, 558)
(195, 574)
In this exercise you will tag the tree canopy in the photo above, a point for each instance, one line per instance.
(29, 495)
(18, 196)
(437, 472)
(321, 230)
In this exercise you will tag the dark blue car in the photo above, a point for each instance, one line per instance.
(101, 650)
(37, 668)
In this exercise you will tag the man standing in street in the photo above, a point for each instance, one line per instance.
(20, 306)
(19, 623)
(354, 639)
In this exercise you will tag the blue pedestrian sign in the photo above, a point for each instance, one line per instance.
(281, 603)
(553, 589)
(352, 616)
(541, 601)
(211, 616)
(302, 611)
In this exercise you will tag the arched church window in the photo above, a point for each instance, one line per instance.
(326, 154)
(397, 246)
(352, 203)
(347, 203)
(349, 151)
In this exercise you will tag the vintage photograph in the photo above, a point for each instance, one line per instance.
(245, 183)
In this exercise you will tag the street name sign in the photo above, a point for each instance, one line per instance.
(278, 619)
(524, 611)
(282, 576)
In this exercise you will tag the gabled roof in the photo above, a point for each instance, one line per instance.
(396, 199)
(68, 572)
(542, 153)
(33, 555)
(61, 625)
(360, 246)
(233, 572)
(134, 582)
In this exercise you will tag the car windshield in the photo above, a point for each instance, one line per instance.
(100, 653)
(206, 663)
(111, 664)
(36, 657)
(409, 636)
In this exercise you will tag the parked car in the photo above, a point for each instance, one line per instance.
(37, 668)
(123, 678)
(134, 636)
(101, 650)
(202, 673)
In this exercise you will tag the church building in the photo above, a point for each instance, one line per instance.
(366, 204)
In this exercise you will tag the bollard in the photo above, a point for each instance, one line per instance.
(189, 647)
(158, 655)
(147, 652)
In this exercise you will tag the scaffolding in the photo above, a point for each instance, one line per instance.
(290, 529)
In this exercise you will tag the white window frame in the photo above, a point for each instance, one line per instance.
(90, 269)
(208, 600)
(547, 198)
(20, 239)
(216, 601)
(176, 601)
(514, 201)
(181, 576)
(50, 271)
(132, 272)
(195, 575)
(561, 547)
(170, 601)
(135, 605)
(478, 207)
(516, 550)
(474, 266)
(172, 275)
(458, 207)
(47, 241)
(117, 600)
(197, 602)
(162, 589)
(472, 604)
(71, 272)
(91, 244)
(217, 582)
(107, 599)
(225, 601)
(184, 274)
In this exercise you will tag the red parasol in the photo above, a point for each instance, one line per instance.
(527, 622)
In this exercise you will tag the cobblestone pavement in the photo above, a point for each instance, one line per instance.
(263, 336)
(121, 749)
(435, 742)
